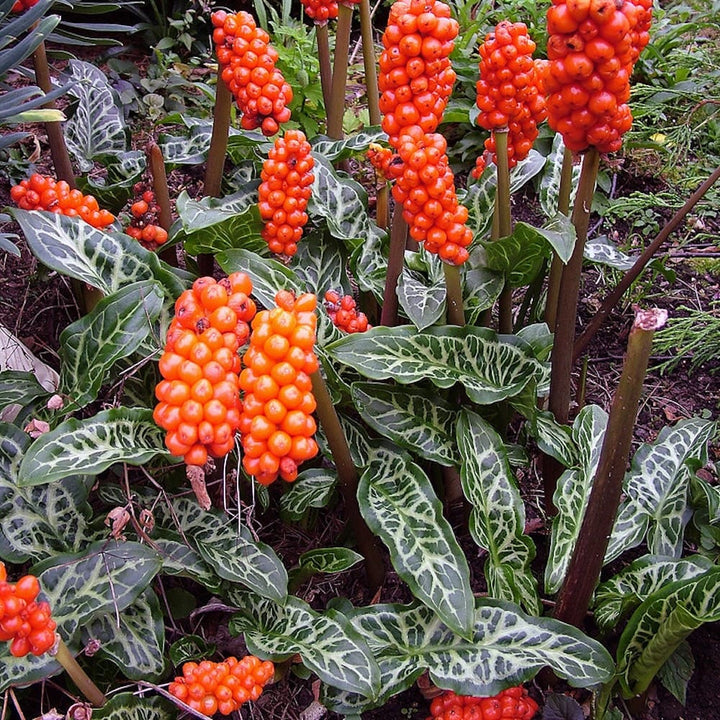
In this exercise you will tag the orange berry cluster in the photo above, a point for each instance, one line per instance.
(22, 5)
(143, 226)
(247, 63)
(511, 704)
(385, 161)
(321, 10)
(508, 91)
(284, 191)
(223, 687)
(426, 189)
(592, 47)
(416, 77)
(41, 192)
(27, 623)
(277, 426)
(344, 314)
(200, 394)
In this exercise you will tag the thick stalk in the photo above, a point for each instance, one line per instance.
(398, 238)
(504, 215)
(162, 197)
(369, 63)
(336, 110)
(348, 481)
(556, 267)
(56, 139)
(633, 273)
(323, 46)
(216, 155)
(569, 289)
(587, 558)
(453, 287)
(86, 686)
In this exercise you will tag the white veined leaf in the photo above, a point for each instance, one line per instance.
(423, 303)
(320, 264)
(508, 647)
(491, 367)
(128, 706)
(96, 126)
(134, 644)
(602, 251)
(661, 623)
(411, 417)
(656, 490)
(635, 583)
(327, 643)
(333, 150)
(572, 493)
(550, 181)
(92, 445)
(497, 518)
(112, 330)
(399, 505)
(312, 489)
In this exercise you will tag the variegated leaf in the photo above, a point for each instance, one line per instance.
(104, 578)
(235, 555)
(333, 150)
(25, 670)
(123, 171)
(661, 623)
(341, 201)
(497, 518)
(423, 303)
(368, 262)
(489, 366)
(677, 671)
(312, 489)
(107, 261)
(134, 640)
(20, 388)
(329, 560)
(35, 522)
(92, 445)
(413, 418)
(327, 643)
(320, 264)
(128, 706)
(550, 180)
(572, 493)
(96, 126)
(357, 438)
(400, 506)
(482, 289)
(705, 497)
(552, 438)
(602, 251)
(268, 276)
(635, 583)
(540, 339)
(507, 648)
(656, 490)
(179, 558)
(112, 330)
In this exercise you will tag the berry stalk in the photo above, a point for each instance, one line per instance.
(323, 47)
(587, 558)
(86, 686)
(504, 217)
(347, 480)
(398, 240)
(162, 197)
(336, 109)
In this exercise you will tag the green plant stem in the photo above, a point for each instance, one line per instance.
(504, 216)
(86, 686)
(556, 266)
(56, 139)
(348, 481)
(336, 110)
(453, 288)
(398, 238)
(162, 197)
(634, 272)
(216, 155)
(369, 63)
(323, 46)
(561, 364)
(587, 558)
